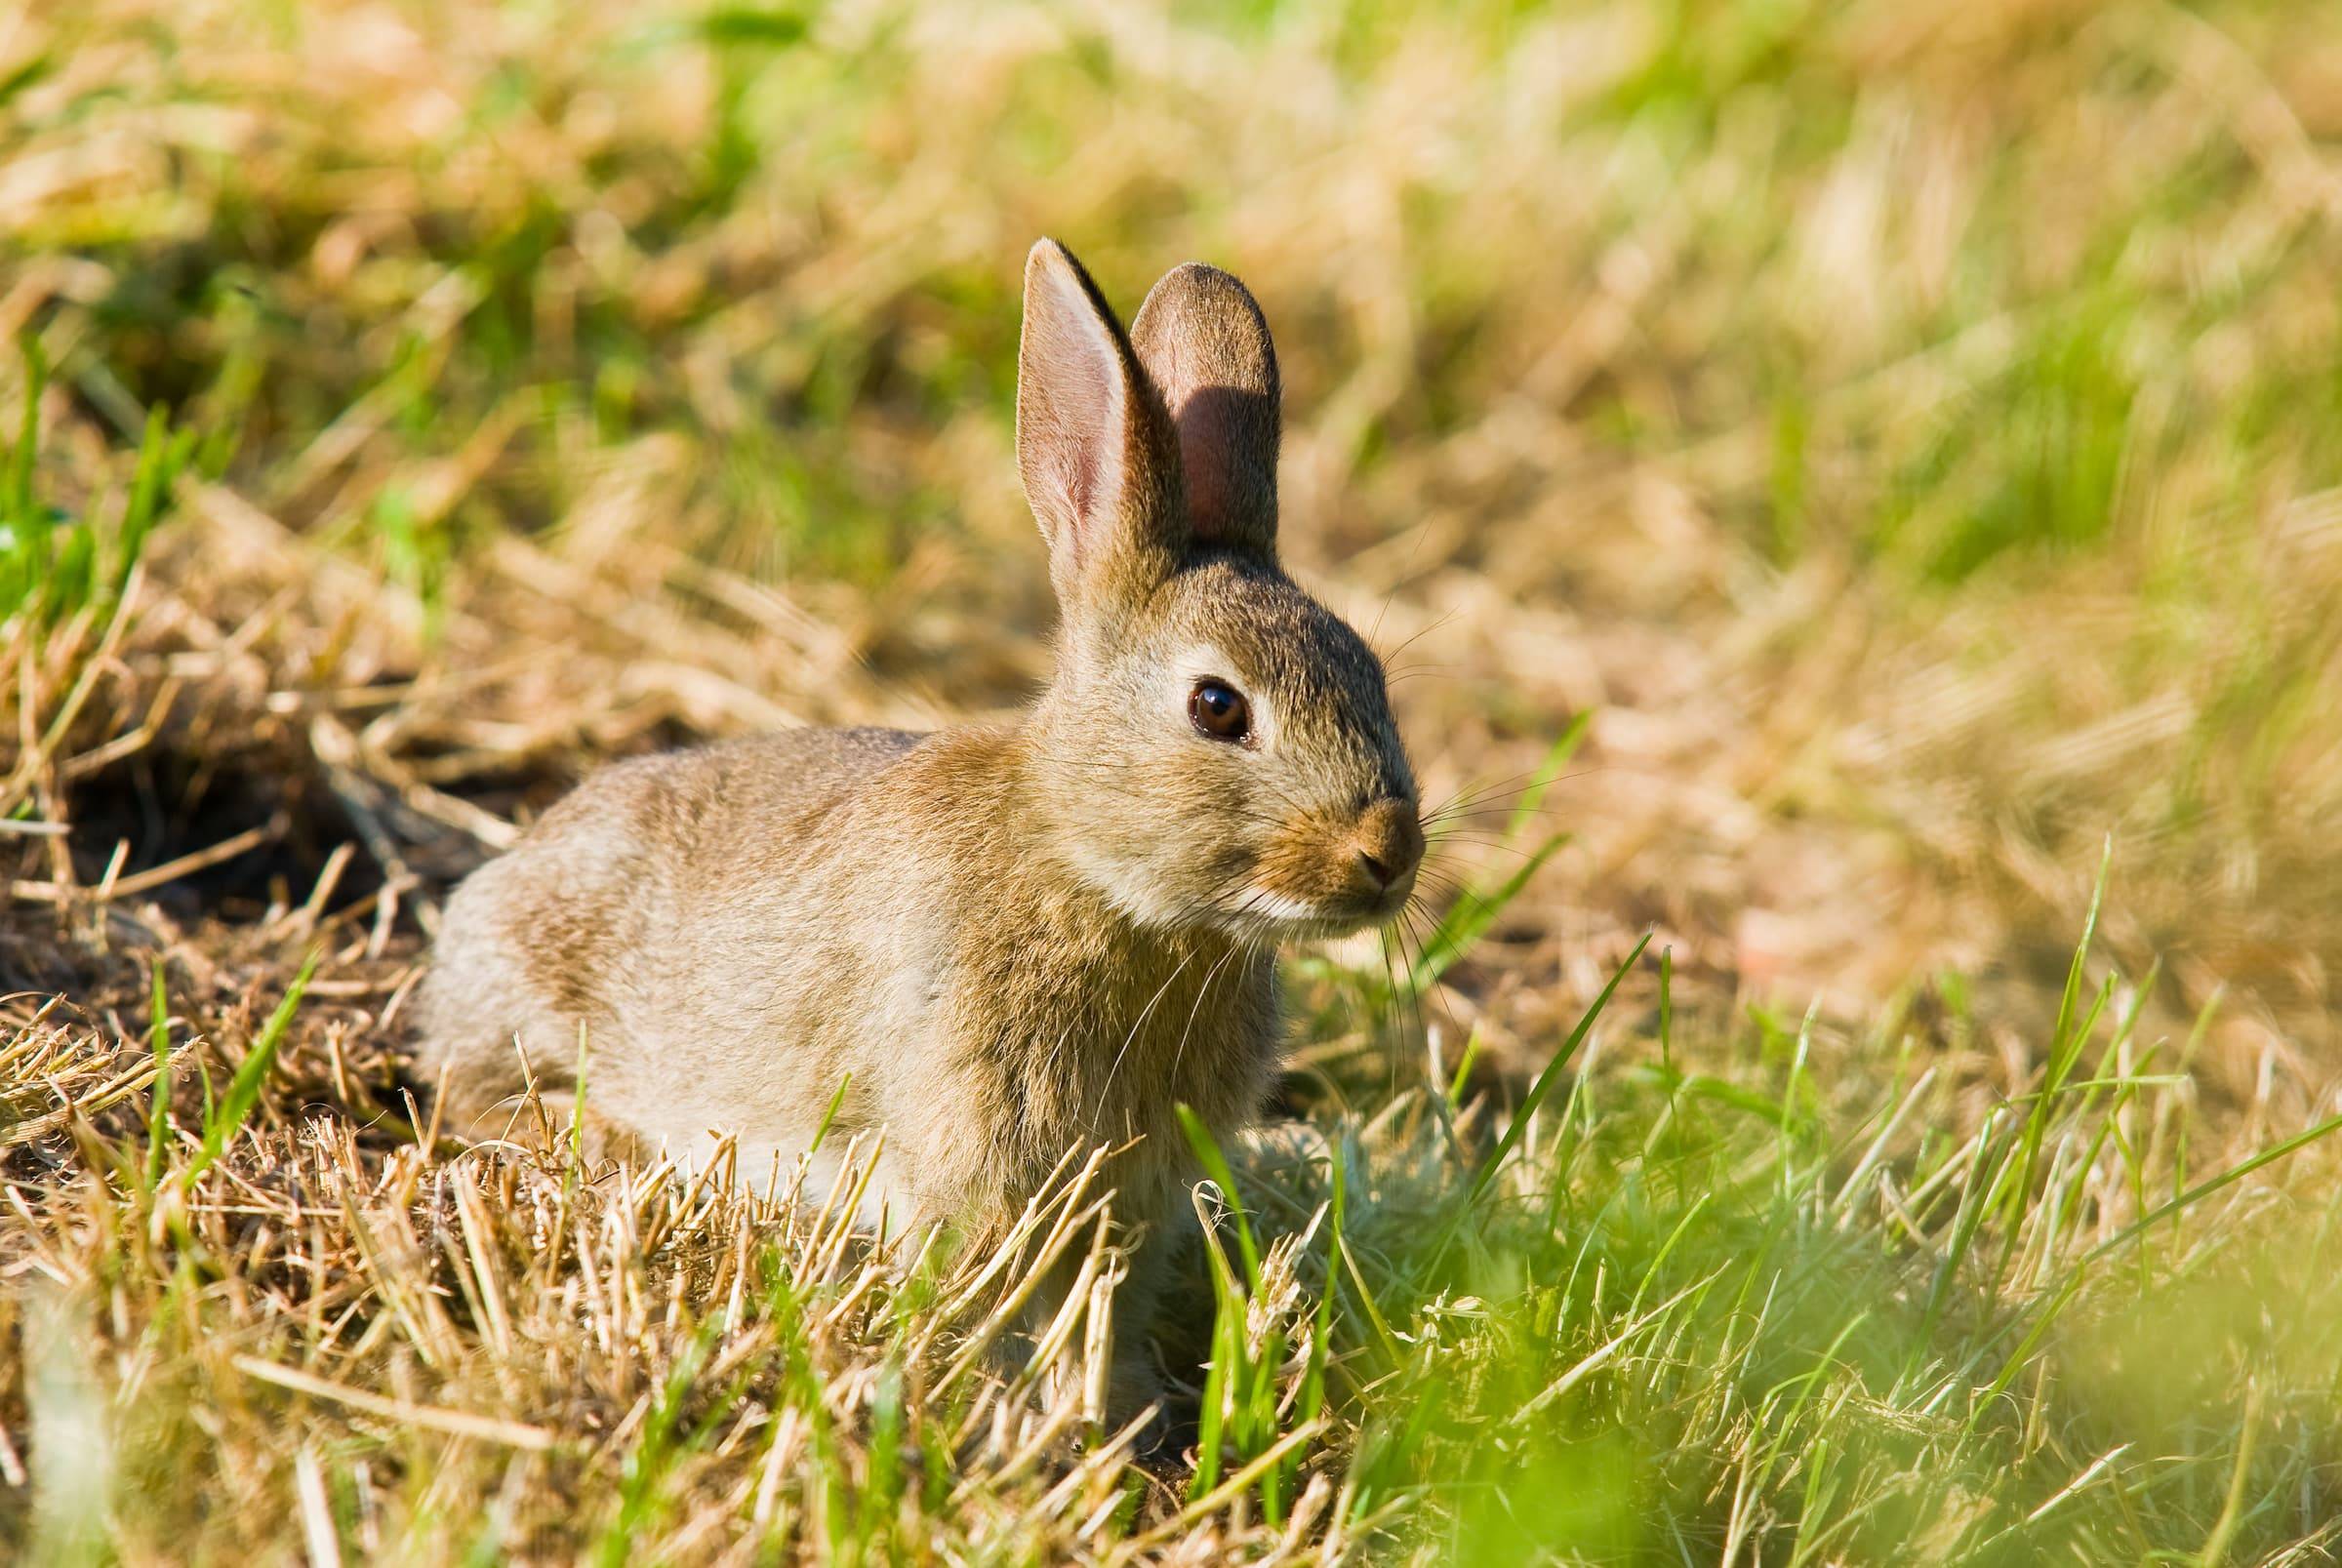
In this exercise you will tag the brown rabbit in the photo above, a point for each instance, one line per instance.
(1017, 940)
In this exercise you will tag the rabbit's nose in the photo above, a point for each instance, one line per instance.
(1389, 844)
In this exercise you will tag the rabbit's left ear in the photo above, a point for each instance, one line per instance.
(1205, 345)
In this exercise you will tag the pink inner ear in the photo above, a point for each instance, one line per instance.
(1072, 408)
(1228, 458)
(1204, 439)
(1092, 392)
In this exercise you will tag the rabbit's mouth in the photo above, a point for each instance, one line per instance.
(1266, 913)
(1331, 875)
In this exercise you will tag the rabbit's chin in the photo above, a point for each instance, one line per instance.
(1280, 918)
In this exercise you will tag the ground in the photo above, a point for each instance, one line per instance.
(1849, 500)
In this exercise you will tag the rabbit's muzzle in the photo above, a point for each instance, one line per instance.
(1386, 847)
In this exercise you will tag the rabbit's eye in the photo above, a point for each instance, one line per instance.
(1219, 710)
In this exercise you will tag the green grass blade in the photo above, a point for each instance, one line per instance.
(1460, 1079)
(1518, 1128)
(2072, 996)
(1228, 1352)
(244, 1089)
(1215, 1164)
(2209, 1185)
(1468, 918)
(1313, 1381)
(1556, 757)
(28, 434)
(158, 1097)
(2066, 1041)
(837, 1102)
(576, 1106)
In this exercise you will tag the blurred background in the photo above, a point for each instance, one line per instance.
(1909, 430)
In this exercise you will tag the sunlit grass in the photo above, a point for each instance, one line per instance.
(1635, 1315)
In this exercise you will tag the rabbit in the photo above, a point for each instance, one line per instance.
(1008, 941)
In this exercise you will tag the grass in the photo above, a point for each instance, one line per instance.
(1816, 473)
(1618, 1320)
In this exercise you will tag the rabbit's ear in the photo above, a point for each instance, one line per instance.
(1206, 343)
(1093, 444)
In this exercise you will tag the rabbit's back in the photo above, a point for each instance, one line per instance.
(612, 910)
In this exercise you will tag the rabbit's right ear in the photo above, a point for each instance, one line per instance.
(1094, 445)
(1205, 345)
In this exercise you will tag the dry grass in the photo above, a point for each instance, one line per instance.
(1907, 428)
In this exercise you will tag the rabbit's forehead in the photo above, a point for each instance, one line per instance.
(1270, 637)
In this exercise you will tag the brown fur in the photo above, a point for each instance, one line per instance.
(1016, 940)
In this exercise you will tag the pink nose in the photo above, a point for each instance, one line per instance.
(1389, 843)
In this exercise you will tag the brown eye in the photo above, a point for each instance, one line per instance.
(1219, 710)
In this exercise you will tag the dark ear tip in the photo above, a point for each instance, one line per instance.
(1201, 274)
(1202, 282)
(1051, 263)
